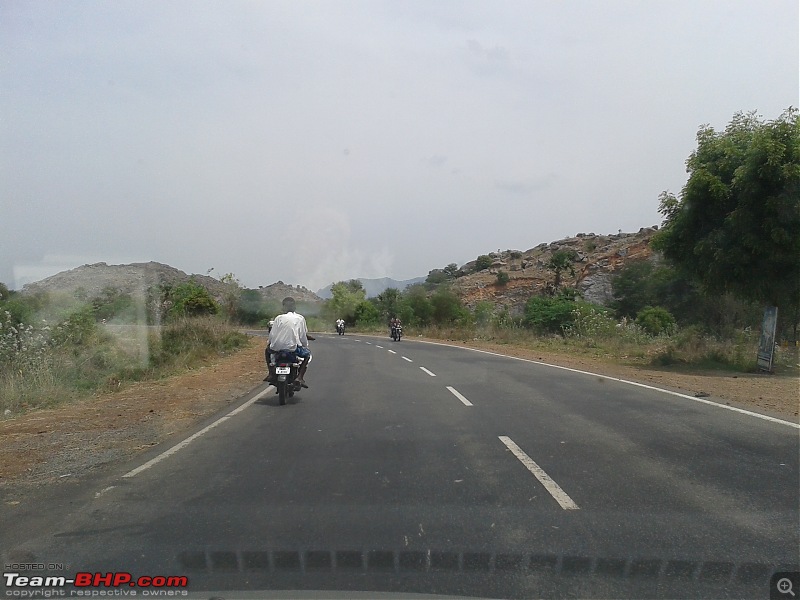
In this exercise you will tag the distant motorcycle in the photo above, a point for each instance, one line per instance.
(397, 332)
(340, 329)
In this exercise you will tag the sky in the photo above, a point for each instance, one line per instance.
(311, 142)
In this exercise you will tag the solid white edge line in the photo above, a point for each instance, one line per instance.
(189, 440)
(610, 378)
(428, 372)
(551, 486)
(459, 396)
(408, 359)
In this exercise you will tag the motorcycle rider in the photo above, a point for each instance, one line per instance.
(289, 332)
(339, 324)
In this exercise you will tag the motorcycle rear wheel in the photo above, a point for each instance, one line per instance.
(282, 393)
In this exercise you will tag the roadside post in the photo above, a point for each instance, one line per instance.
(766, 345)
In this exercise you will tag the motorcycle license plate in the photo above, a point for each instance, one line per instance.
(282, 370)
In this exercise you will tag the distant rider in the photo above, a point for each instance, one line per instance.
(290, 333)
(339, 324)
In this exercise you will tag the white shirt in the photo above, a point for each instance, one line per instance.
(288, 332)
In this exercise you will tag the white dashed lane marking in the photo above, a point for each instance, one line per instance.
(459, 396)
(551, 486)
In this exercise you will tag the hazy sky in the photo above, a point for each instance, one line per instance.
(315, 141)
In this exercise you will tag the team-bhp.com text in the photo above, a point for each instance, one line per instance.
(94, 584)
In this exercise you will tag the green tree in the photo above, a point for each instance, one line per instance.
(484, 261)
(416, 299)
(367, 314)
(736, 226)
(447, 308)
(435, 277)
(451, 270)
(388, 303)
(502, 278)
(559, 262)
(346, 296)
(190, 299)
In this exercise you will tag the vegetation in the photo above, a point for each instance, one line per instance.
(54, 349)
(484, 261)
(561, 261)
(736, 227)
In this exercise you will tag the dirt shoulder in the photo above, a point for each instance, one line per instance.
(73, 440)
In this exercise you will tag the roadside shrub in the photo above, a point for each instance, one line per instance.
(192, 339)
(548, 315)
(591, 321)
(655, 320)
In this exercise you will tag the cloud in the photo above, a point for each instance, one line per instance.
(436, 160)
(526, 186)
(494, 54)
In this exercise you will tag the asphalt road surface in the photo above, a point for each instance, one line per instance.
(417, 468)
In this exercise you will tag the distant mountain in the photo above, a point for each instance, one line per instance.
(132, 279)
(373, 287)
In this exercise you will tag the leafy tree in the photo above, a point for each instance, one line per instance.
(435, 277)
(388, 303)
(736, 226)
(643, 284)
(561, 261)
(502, 278)
(191, 299)
(484, 261)
(421, 308)
(367, 314)
(451, 270)
(346, 296)
(447, 308)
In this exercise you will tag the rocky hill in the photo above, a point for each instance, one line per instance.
(131, 279)
(374, 287)
(598, 259)
(279, 290)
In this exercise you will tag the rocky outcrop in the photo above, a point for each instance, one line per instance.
(597, 259)
(279, 290)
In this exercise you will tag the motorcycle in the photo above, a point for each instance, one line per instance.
(340, 329)
(397, 332)
(287, 365)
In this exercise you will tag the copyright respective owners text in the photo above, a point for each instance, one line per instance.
(26, 582)
(784, 585)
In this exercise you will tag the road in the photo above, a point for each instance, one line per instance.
(421, 468)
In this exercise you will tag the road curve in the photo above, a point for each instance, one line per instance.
(418, 468)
